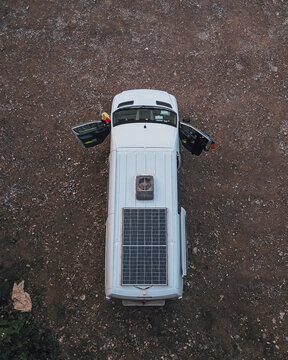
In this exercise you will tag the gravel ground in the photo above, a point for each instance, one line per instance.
(226, 63)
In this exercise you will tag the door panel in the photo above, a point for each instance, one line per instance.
(92, 133)
(193, 139)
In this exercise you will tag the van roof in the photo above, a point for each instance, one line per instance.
(160, 163)
(125, 165)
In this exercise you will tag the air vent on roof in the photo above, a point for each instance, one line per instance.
(126, 103)
(144, 187)
(163, 104)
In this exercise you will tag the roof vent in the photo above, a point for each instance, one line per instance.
(144, 187)
(163, 104)
(126, 103)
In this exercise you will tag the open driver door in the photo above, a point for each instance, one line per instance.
(92, 133)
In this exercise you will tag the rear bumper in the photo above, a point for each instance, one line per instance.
(131, 293)
(143, 303)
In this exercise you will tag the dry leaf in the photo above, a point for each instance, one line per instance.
(21, 299)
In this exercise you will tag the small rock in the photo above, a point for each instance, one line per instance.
(239, 66)
(273, 68)
(195, 250)
(281, 315)
(83, 297)
(61, 339)
(203, 35)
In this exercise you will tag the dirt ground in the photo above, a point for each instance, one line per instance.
(227, 64)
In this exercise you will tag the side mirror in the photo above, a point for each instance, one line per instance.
(186, 119)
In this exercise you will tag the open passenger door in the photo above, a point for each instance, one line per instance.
(92, 133)
(195, 140)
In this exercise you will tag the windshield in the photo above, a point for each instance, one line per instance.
(144, 114)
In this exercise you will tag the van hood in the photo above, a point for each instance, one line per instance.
(144, 97)
(144, 135)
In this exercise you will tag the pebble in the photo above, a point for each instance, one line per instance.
(61, 339)
(273, 68)
(203, 35)
(239, 66)
(83, 297)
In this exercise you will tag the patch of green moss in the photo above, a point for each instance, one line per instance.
(21, 338)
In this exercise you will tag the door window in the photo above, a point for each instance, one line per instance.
(92, 133)
(194, 140)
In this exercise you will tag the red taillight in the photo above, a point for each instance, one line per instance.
(213, 146)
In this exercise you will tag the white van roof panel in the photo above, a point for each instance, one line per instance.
(125, 165)
(144, 135)
(160, 163)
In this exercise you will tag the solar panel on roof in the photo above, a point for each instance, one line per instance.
(144, 255)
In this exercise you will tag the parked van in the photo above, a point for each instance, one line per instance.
(145, 258)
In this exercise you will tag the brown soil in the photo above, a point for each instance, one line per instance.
(226, 63)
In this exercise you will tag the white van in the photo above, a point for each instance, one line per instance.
(145, 257)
